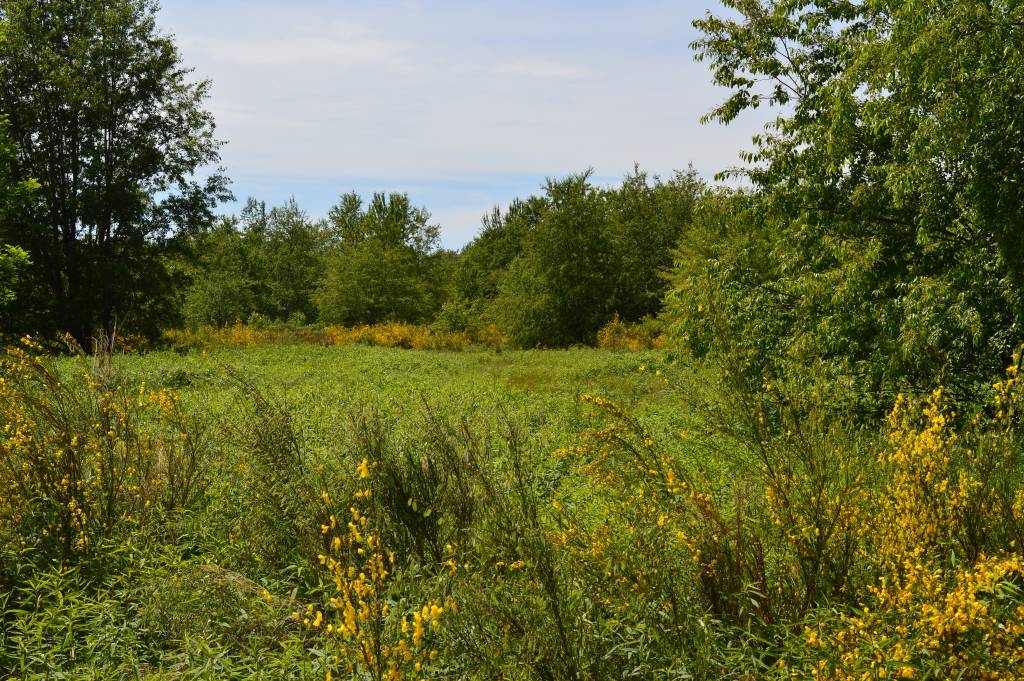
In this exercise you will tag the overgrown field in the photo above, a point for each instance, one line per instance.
(298, 511)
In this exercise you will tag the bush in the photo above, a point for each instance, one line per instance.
(905, 565)
(619, 335)
(398, 335)
(259, 331)
(946, 599)
(372, 629)
(83, 454)
(274, 493)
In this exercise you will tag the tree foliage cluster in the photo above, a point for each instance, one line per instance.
(549, 271)
(553, 269)
(881, 238)
(13, 260)
(107, 120)
(358, 266)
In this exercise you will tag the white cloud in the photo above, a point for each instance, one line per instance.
(322, 51)
(334, 44)
(528, 68)
(428, 91)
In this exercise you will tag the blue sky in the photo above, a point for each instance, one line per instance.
(464, 105)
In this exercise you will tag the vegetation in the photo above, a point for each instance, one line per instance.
(507, 519)
(555, 269)
(882, 236)
(103, 115)
(348, 453)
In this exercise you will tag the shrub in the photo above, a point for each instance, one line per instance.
(398, 335)
(421, 486)
(619, 335)
(237, 335)
(259, 331)
(370, 630)
(385, 334)
(946, 601)
(274, 502)
(82, 454)
(58, 626)
(907, 565)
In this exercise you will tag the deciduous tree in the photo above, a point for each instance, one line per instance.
(893, 177)
(111, 123)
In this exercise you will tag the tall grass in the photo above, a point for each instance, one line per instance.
(780, 542)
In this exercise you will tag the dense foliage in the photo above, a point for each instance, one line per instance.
(882, 233)
(554, 269)
(265, 263)
(384, 265)
(14, 193)
(105, 117)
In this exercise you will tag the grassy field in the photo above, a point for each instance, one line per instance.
(326, 384)
(208, 592)
(335, 512)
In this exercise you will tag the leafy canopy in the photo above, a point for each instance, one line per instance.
(889, 186)
(111, 124)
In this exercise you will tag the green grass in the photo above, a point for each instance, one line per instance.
(538, 388)
(687, 529)
(183, 597)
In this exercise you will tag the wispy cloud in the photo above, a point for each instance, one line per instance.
(441, 93)
(528, 68)
(335, 44)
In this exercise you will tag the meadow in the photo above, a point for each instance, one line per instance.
(207, 588)
(332, 512)
(325, 385)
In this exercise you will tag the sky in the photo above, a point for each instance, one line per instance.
(463, 105)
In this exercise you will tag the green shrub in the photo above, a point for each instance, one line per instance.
(84, 453)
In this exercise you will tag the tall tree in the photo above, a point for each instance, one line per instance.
(893, 178)
(558, 290)
(383, 265)
(14, 193)
(645, 221)
(290, 252)
(111, 124)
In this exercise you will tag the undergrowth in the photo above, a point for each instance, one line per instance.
(142, 539)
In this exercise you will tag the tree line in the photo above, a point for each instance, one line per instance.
(550, 269)
(114, 231)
